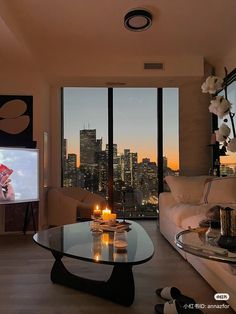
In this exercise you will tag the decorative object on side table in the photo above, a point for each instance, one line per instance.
(228, 228)
(213, 232)
(212, 218)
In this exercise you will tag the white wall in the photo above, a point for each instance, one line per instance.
(194, 129)
(19, 81)
(228, 61)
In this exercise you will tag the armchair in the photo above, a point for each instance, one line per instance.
(66, 204)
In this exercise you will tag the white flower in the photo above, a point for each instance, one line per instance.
(219, 137)
(224, 130)
(222, 133)
(212, 84)
(232, 145)
(220, 106)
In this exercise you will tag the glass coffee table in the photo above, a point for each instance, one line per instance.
(194, 242)
(76, 241)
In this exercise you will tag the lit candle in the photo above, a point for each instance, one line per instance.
(112, 217)
(112, 220)
(106, 214)
(97, 212)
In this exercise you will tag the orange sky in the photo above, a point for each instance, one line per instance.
(172, 156)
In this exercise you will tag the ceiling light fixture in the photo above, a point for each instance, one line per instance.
(138, 20)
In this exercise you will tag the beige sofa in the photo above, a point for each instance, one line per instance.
(186, 205)
(67, 204)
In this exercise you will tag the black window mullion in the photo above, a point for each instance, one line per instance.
(62, 136)
(160, 139)
(110, 148)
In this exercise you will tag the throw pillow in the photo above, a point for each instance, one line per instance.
(187, 189)
(220, 190)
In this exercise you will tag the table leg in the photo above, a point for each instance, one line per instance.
(119, 288)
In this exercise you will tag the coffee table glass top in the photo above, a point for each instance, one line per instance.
(194, 241)
(77, 241)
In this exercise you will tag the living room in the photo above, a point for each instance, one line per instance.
(54, 46)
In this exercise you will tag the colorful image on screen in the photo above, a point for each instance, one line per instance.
(19, 175)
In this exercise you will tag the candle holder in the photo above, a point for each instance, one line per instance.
(97, 213)
(112, 220)
(95, 227)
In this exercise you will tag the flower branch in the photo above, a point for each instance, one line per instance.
(221, 107)
(231, 115)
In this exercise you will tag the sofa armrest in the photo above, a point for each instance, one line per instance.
(166, 200)
(62, 209)
(64, 205)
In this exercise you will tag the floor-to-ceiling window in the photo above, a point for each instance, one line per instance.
(135, 151)
(132, 122)
(228, 161)
(84, 143)
(170, 131)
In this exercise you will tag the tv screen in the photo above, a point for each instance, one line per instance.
(19, 175)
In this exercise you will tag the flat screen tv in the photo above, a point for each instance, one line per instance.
(19, 175)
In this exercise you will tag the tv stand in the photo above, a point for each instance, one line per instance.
(29, 213)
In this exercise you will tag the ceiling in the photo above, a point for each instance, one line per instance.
(63, 37)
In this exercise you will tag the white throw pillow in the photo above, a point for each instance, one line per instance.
(187, 189)
(220, 190)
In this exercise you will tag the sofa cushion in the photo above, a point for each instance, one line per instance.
(187, 189)
(184, 215)
(220, 190)
(179, 212)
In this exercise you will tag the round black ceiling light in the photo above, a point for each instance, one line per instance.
(138, 20)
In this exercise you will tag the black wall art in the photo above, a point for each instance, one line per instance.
(16, 121)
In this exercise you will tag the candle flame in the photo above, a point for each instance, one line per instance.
(97, 257)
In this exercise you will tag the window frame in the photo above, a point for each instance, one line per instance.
(159, 130)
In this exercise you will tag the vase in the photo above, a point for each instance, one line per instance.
(227, 238)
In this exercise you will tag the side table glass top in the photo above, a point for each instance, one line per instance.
(194, 242)
(77, 241)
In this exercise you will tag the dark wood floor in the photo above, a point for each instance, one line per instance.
(26, 287)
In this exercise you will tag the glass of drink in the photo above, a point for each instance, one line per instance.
(120, 239)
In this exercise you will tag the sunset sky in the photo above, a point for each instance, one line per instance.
(135, 119)
(231, 90)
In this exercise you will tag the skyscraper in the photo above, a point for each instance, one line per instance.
(65, 163)
(127, 168)
(134, 169)
(102, 171)
(88, 147)
(72, 169)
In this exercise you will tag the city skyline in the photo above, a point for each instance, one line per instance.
(119, 153)
(135, 123)
(136, 182)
